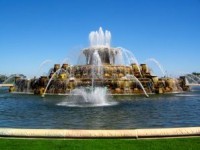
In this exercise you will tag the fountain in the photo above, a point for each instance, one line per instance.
(106, 76)
(115, 71)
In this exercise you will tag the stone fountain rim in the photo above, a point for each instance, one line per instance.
(87, 133)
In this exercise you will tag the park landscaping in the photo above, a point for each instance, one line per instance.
(100, 144)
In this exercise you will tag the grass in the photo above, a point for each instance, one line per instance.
(100, 144)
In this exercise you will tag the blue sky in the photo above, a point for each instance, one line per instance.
(32, 31)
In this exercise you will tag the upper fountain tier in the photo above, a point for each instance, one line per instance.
(106, 54)
(100, 42)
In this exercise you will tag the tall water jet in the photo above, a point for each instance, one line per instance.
(96, 67)
(99, 38)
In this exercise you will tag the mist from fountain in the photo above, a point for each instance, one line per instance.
(84, 97)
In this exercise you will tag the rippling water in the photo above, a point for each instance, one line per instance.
(123, 112)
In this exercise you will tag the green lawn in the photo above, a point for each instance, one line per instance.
(99, 144)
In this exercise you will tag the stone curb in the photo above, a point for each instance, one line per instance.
(76, 133)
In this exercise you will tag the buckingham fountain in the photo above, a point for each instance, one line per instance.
(103, 68)
(104, 76)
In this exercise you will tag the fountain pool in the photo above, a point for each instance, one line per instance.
(120, 112)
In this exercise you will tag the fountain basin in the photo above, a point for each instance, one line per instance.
(70, 133)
